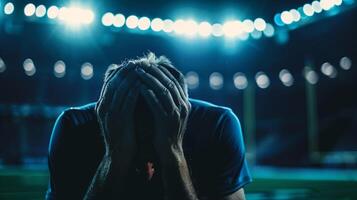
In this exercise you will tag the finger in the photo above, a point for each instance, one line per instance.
(168, 74)
(152, 100)
(122, 91)
(111, 86)
(166, 81)
(162, 93)
(130, 101)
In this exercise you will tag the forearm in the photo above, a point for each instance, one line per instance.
(176, 177)
(110, 172)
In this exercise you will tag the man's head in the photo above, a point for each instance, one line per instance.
(143, 118)
(149, 60)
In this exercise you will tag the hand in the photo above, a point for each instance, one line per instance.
(170, 107)
(115, 110)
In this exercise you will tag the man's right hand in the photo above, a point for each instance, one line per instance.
(115, 111)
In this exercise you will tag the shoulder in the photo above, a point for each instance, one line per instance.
(72, 125)
(209, 111)
(79, 115)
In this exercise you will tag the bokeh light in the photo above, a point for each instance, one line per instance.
(295, 15)
(179, 26)
(328, 70)
(233, 28)
(9, 8)
(168, 26)
(259, 24)
(190, 28)
(132, 21)
(59, 69)
(286, 77)
(216, 81)
(286, 17)
(144, 23)
(75, 16)
(269, 30)
(108, 19)
(248, 26)
(205, 29)
(262, 80)
(217, 30)
(40, 11)
(157, 24)
(52, 12)
(311, 76)
(345, 63)
(316, 6)
(29, 9)
(29, 67)
(192, 80)
(240, 81)
(308, 10)
(118, 20)
(87, 71)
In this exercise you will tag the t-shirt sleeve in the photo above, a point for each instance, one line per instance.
(231, 170)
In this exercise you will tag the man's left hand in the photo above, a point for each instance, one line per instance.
(170, 107)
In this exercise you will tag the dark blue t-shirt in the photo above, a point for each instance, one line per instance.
(213, 148)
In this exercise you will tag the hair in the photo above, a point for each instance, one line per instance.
(149, 59)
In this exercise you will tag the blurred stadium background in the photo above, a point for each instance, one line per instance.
(285, 68)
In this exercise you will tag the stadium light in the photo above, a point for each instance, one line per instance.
(191, 28)
(259, 24)
(308, 10)
(179, 26)
(240, 81)
(157, 24)
(287, 17)
(118, 20)
(311, 76)
(316, 6)
(87, 71)
(29, 9)
(40, 11)
(59, 69)
(52, 12)
(262, 80)
(232, 28)
(75, 16)
(205, 29)
(217, 30)
(192, 80)
(29, 67)
(345, 63)
(144, 23)
(108, 19)
(286, 78)
(248, 26)
(132, 21)
(9, 8)
(168, 26)
(216, 81)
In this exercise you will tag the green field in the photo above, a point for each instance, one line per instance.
(16, 184)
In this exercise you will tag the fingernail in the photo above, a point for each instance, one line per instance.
(140, 70)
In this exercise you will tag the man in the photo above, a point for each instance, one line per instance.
(145, 139)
